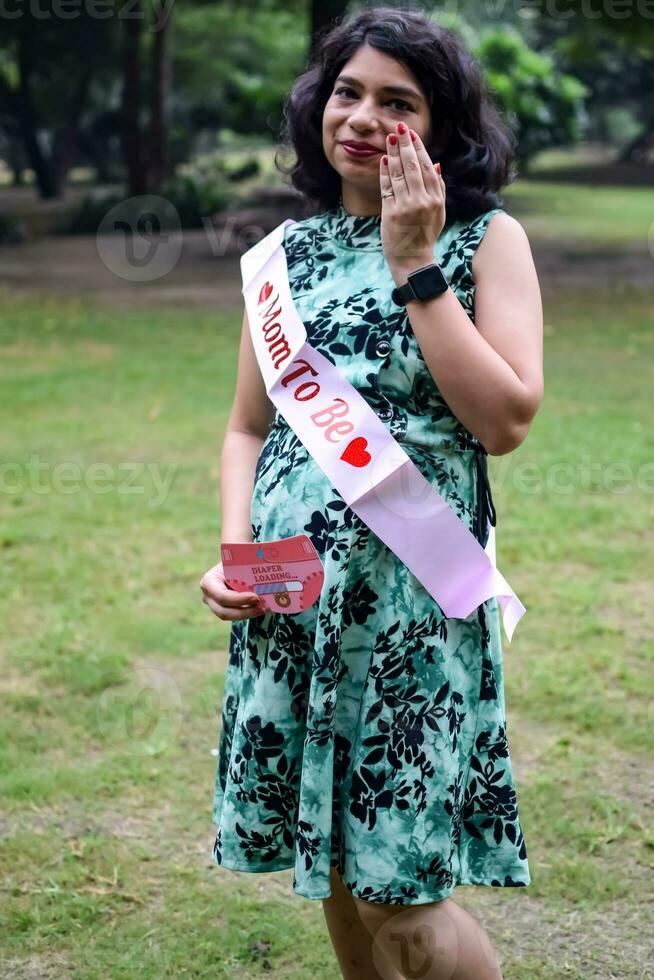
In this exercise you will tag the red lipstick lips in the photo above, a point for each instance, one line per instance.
(357, 148)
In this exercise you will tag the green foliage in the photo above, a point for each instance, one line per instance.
(198, 193)
(628, 25)
(58, 54)
(245, 170)
(233, 66)
(85, 217)
(543, 105)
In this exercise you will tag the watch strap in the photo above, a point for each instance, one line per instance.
(405, 293)
(402, 294)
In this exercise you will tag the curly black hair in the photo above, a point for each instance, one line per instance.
(475, 146)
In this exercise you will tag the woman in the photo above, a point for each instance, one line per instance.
(363, 741)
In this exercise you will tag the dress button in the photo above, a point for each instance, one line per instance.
(386, 414)
(383, 348)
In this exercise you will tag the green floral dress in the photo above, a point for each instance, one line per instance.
(369, 732)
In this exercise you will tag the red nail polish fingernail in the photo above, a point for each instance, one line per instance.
(392, 139)
(401, 128)
(413, 135)
(385, 160)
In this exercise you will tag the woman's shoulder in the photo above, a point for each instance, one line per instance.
(460, 250)
(477, 225)
(498, 228)
(466, 236)
(508, 224)
(503, 243)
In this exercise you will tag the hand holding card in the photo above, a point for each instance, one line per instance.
(286, 574)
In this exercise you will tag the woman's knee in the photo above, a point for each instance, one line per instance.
(375, 914)
(440, 939)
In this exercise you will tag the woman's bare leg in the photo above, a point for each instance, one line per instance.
(351, 940)
(434, 941)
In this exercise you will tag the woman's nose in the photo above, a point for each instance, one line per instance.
(364, 116)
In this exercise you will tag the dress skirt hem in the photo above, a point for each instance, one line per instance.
(438, 896)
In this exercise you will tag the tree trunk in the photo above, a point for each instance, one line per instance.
(65, 142)
(137, 180)
(27, 121)
(15, 160)
(159, 93)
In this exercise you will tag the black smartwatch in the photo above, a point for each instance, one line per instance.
(423, 284)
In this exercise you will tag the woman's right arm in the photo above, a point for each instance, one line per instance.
(248, 425)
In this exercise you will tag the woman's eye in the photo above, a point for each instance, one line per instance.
(405, 105)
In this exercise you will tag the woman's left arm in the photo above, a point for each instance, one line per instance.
(489, 372)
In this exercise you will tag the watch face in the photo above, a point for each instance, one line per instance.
(428, 282)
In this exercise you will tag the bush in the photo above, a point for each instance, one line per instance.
(198, 191)
(543, 106)
(85, 217)
(197, 195)
(182, 202)
(243, 171)
(12, 230)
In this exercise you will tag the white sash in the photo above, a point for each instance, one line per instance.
(367, 466)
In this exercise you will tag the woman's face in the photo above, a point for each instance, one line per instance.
(364, 107)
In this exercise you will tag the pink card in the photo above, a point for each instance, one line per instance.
(287, 574)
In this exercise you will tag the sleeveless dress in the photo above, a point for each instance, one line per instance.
(369, 731)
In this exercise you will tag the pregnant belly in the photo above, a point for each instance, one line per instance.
(292, 495)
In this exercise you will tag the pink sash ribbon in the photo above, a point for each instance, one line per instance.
(367, 466)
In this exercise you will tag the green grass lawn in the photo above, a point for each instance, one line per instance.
(112, 667)
(590, 218)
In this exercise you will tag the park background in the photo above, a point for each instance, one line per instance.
(117, 379)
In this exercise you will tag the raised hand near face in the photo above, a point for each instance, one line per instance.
(413, 215)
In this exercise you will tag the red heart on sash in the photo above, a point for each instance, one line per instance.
(355, 452)
(266, 290)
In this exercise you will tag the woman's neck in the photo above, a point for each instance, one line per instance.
(358, 204)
